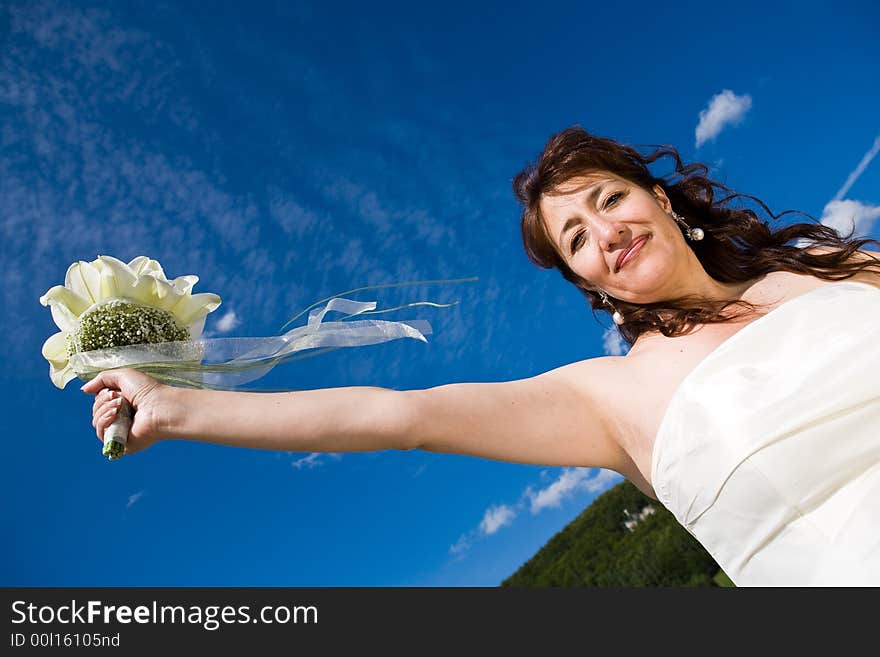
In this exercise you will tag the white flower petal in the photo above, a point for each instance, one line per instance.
(117, 277)
(66, 307)
(64, 319)
(84, 279)
(144, 290)
(164, 288)
(61, 376)
(196, 328)
(191, 308)
(68, 298)
(55, 349)
(142, 281)
(137, 264)
(156, 292)
(144, 265)
(185, 284)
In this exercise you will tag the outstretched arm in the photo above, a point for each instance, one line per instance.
(555, 419)
(550, 419)
(351, 419)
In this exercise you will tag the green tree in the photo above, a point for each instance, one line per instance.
(597, 549)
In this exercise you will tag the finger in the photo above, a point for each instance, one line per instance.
(103, 396)
(105, 379)
(105, 421)
(104, 407)
(102, 399)
(94, 385)
(107, 405)
(96, 411)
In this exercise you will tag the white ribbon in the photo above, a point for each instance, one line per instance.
(236, 361)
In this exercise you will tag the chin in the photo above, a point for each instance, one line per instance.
(644, 289)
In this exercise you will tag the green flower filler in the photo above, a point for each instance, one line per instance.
(119, 323)
(107, 304)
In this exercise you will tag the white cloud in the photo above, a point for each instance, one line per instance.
(105, 190)
(495, 518)
(313, 460)
(854, 175)
(570, 481)
(134, 498)
(603, 480)
(295, 220)
(724, 108)
(73, 78)
(228, 322)
(501, 515)
(843, 215)
(552, 495)
(613, 342)
(460, 546)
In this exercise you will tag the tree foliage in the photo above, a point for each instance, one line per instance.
(597, 549)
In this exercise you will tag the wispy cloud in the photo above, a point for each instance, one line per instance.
(569, 482)
(613, 343)
(460, 546)
(228, 322)
(843, 216)
(724, 109)
(495, 518)
(132, 499)
(854, 175)
(78, 85)
(62, 69)
(314, 460)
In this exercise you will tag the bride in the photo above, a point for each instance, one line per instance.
(745, 403)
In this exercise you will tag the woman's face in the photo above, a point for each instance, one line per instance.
(594, 219)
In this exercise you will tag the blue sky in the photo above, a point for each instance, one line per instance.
(284, 152)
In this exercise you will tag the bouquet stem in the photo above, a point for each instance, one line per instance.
(116, 435)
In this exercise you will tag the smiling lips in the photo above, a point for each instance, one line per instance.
(631, 252)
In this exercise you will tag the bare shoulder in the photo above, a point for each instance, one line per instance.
(819, 250)
(616, 389)
(560, 417)
(589, 372)
(606, 381)
(871, 277)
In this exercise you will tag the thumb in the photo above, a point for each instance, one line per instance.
(120, 379)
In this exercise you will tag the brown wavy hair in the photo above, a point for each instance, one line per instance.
(737, 246)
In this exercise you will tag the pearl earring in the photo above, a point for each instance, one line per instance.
(616, 316)
(694, 234)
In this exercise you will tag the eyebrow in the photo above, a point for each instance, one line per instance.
(595, 190)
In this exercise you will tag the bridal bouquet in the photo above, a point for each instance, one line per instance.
(112, 314)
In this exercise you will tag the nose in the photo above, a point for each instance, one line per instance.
(611, 234)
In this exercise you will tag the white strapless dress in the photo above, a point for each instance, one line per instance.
(769, 452)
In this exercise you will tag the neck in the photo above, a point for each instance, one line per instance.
(698, 283)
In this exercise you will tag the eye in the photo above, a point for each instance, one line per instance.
(576, 241)
(616, 196)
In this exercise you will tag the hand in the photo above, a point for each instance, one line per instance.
(143, 393)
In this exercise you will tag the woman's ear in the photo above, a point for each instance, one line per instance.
(662, 199)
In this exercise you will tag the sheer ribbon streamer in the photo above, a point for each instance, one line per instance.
(227, 363)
